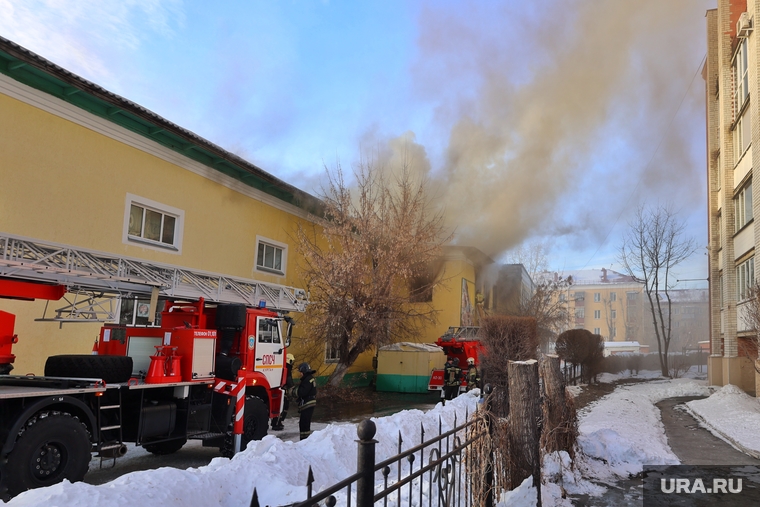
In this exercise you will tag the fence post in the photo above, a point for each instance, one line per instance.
(365, 464)
(524, 433)
(487, 390)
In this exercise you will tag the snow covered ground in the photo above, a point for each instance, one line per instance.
(618, 435)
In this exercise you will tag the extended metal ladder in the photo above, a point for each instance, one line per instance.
(98, 276)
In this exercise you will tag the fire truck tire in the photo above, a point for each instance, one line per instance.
(53, 446)
(112, 369)
(255, 426)
(164, 448)
(256, 422)
(230, 316)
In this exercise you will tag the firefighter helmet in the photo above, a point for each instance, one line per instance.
(456, 361)
(291, 359)
(304, 368)
(470, 361)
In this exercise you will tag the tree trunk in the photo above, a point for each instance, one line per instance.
(524, 432)
(337, 376)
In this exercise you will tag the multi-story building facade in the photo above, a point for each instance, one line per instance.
(733, 127)
(604, 302)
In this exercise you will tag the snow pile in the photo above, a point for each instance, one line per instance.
(623, 431)
(732, 415)
(277, 469)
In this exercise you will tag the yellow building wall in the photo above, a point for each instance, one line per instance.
(604, 306)
(65, 183)
(447, 298)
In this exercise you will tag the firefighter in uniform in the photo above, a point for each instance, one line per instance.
(307, 398)
(452, 379)
(473, 375)
(277, 422)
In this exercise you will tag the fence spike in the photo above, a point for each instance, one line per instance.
(422, 432)
(399, 441)
(254, 499)
(310, 477)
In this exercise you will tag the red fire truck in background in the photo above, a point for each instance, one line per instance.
(461, 343)
(210, 370)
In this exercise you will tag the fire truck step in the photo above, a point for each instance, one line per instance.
(114, 427)
(109, 407)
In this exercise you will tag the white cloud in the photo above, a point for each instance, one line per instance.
(87, 35)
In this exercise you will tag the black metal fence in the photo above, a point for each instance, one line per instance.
(452, 469)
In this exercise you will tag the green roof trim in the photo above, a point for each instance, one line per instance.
(32, 70)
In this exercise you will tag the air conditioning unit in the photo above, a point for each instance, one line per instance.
(744, 25)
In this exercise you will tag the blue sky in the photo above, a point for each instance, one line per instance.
(548, 120)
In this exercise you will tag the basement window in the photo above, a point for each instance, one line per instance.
(152, 224)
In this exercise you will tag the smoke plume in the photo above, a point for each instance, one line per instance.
(560, 116)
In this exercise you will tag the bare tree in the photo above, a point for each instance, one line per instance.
(544, 305)
(533, 256)
(653, 245)
(370, 258)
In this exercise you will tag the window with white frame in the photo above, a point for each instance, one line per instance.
(613, 314)
(271, 256)
(597, 314)
(745, 278)
(580, 313)
(741, 74)
(613, 296)
(613, 332)
(743, 205)
(597, 297)
(597, 330)
(331, 354)
(562, 297)
(135, 312)
(742, 134)
(154, 224)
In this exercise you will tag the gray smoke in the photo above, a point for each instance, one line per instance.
(552, 110)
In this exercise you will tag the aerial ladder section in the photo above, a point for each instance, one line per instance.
(96, 280)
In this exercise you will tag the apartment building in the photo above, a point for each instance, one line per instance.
(606, 303)
(731, 81)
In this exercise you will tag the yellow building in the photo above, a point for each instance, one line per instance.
(86, 170)
(605, 303)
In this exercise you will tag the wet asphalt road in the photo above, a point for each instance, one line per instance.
(693, 444)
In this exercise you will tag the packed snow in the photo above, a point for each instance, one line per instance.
(618, 435)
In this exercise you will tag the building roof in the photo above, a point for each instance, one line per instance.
(35, 71)
(601, 276)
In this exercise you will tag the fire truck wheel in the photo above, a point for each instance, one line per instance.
(256, 421)
(53, 446)
(163, 448)
(112, 369)
(255, 426)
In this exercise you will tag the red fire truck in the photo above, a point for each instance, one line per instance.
(209, 370)
(457, 342)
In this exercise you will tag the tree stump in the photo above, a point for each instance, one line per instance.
(524, 432)
(560, 425)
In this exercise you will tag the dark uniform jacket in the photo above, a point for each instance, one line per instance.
(307, 391)
(452, 375)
